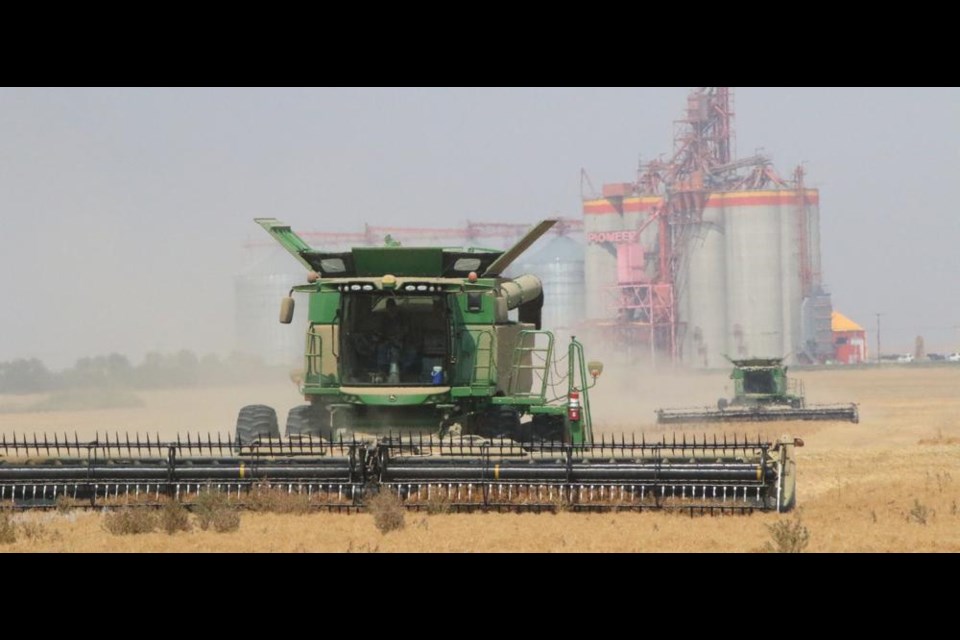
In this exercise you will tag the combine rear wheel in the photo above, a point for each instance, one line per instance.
(307, 420)
(256, 421)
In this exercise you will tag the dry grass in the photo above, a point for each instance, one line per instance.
(939, 439)
(277, 500)
(174, 517)
(787, 536)
(438, 504)
(19, 527)
(8, 533)
(888, 484)
(387, 511)
(65, 504)
(214, 511)
(130, 521)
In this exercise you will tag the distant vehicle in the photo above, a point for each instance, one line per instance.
(936, 356)
(906, 357)
(954, 357)
(762, 393)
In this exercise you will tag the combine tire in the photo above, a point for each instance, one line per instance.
(256, 421)
(306, 420)
(509, 423)
(548, 428)
(500, 422)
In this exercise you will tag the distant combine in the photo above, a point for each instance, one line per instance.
(762, 393)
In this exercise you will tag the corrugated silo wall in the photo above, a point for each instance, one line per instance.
(813, 234)
(559, 265)
(746, 298)
(257, 296)
(702, 306)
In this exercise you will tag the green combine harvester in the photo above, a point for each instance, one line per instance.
(420, 340)
(762, 393)
(426, 374)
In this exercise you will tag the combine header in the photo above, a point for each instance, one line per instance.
(466, 472)
(762, 393)
(418, 380)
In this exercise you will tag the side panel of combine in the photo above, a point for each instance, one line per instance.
(475, 350)
(476, 361)
(508, 341)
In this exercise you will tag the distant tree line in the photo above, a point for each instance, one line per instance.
(157, 371)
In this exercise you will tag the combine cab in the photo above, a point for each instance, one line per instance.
(427, 374)
(762, 393)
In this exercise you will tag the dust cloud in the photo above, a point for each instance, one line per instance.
(626, 398)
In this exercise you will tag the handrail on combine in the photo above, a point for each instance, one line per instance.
(314, 352)
(575, 357)
(488, 363)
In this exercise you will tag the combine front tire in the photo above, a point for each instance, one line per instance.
(306, 420)
(548, 428)
(499, 422)
(256, 421)
(509, 420)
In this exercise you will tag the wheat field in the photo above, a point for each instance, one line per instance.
(888, 484)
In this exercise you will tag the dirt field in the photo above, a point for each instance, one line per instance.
(888, 484)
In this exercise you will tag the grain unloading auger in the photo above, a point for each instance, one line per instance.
(417, 381)
(762, 393)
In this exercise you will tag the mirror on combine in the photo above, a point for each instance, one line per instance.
(595, 367)
(286, 310)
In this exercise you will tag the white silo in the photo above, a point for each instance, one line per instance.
(560, 267)
(702, 303)
(257, 294)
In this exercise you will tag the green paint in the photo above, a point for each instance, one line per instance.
(378, 398)
(289, 240)
(398, 261)
(758, 381)
(324, 306)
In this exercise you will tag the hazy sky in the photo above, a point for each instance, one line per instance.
(125, 210)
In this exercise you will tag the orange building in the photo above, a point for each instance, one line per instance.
(849, 340)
